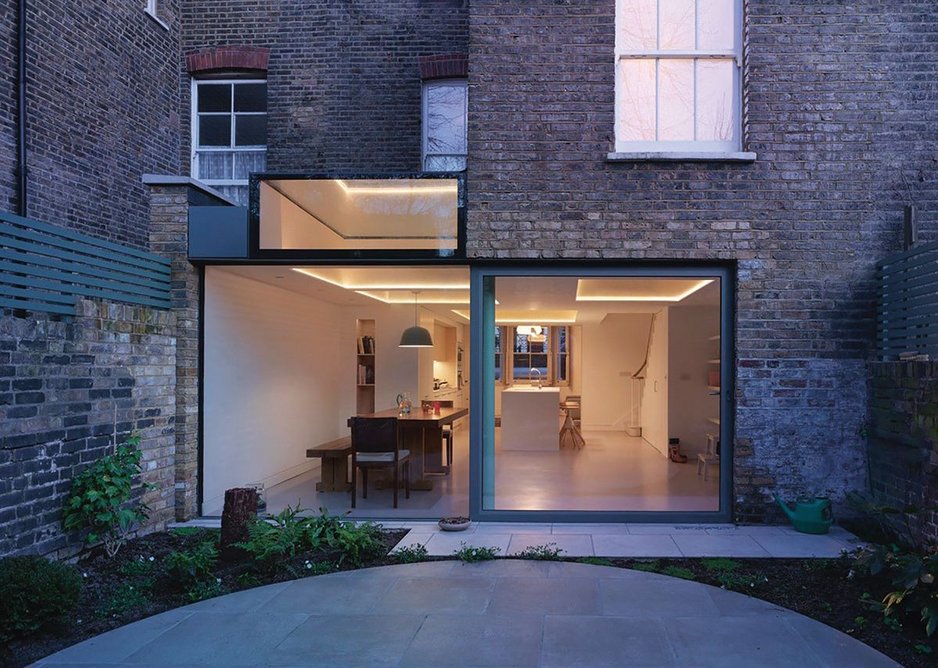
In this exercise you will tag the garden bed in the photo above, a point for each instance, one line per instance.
(136, 584)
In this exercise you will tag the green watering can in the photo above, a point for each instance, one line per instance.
(810, 515)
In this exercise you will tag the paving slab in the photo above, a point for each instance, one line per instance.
(495, 613)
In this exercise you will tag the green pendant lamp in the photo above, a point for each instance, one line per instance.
(416, 336)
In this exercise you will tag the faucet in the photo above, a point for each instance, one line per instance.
(539, 383)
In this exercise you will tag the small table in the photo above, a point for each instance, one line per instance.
(422, 434)
(334, 455)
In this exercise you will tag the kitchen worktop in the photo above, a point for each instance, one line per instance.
(530, 418)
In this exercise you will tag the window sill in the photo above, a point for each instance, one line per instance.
(681, 156)
(156, 18)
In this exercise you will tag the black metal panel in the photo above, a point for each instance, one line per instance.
(218, 232)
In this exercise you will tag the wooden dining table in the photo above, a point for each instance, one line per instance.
(422, 434)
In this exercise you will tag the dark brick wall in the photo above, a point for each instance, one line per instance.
(63, 384)
(840, 109)
(343, 79)
(103, 109)
(8, 106)
(903, 439)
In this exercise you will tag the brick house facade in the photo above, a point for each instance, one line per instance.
(839, 107)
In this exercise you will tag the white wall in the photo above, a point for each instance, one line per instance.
(655, 396)
(689, 402)
(612, 350)
(272, 361)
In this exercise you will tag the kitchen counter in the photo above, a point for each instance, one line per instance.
(530, 418)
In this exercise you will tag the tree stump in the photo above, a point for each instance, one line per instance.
(240, 510)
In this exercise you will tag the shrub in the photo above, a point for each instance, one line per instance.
(471, 555)
(282, 535)
(549, 552)
(188, 569)
(123, 598)
(100, 499)
(410, 554)
(35, 595)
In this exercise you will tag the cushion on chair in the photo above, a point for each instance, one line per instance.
(379, 456)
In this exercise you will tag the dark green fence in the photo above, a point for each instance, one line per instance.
(44, 268)
(907, 319)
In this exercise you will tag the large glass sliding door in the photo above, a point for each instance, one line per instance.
(601, 393)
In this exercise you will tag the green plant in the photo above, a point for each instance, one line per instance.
(185, 532)
(860, 622)
(596, 561)
(645, 566)
(277, 537)
(678, 572)
(356, 543)
(141, 567)
(248, 580)
(913, 574)
(124, 597)
(101, 498)
(199, 591)
(410, 554)
(35, 594)
(549, 552)
(720, 564)
(922, 648)
(186, 569)
(470, 554)
(318, 567)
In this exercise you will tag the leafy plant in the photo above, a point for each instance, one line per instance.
(248, 580)
(185, 532)
(356, 543)
(548, 552)
(35, 594)
(204, 589)
(186, 569)
(469, 554)
(410, 554)
(318, 567)
(124, 597)
(913, 574)
(101, 498)
(138, 567)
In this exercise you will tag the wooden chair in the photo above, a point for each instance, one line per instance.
(376, 444)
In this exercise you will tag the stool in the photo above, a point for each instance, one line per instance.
(448, 442)
(711, 456)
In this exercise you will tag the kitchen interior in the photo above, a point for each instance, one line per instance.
(291, 353)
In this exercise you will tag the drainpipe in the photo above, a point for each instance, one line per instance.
(21, 110)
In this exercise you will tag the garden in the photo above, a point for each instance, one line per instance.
(884, 595)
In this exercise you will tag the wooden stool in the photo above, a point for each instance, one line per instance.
(448, 442)
(569, 431)
(705, 459)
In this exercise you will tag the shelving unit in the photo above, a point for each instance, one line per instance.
(365, 372)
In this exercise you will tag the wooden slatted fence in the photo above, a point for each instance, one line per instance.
(44, 268)
(907, 318)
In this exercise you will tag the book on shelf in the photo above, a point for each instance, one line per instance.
(366, 374)
(366, 345)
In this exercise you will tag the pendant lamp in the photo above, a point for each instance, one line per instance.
(416, 336)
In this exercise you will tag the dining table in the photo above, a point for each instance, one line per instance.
(421, 432)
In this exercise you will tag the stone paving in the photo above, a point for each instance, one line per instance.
(633, 540)
(496, 613)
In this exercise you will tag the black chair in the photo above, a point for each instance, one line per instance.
(448, 445)
(376, 444)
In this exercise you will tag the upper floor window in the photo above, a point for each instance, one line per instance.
(229, 133)
(678, 65)
(445, 108)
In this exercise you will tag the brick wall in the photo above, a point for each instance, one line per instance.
(61, 382)
(837, 110)
(103, 109)
(343, 78)
(903, 439)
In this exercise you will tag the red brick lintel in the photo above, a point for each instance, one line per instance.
(228, 58)
(444, 66)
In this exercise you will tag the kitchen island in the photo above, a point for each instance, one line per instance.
(530, 418)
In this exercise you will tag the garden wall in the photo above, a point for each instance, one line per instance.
(903, 439)
(65, 384)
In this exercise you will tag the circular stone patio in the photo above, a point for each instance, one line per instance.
(496, 613)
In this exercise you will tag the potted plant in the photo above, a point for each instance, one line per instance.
(454, 523)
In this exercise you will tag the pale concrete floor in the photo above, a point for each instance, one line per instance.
(612, 472)
(497, 613)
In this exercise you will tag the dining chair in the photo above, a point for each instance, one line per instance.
(376, 444)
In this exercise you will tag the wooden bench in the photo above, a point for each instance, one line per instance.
(334, 456)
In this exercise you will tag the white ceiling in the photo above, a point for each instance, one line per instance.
(443, 289)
